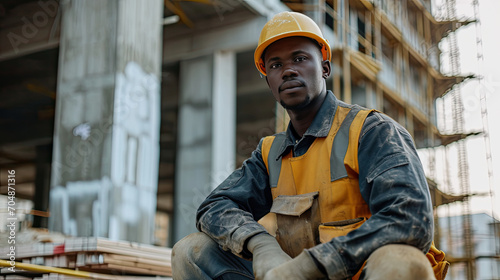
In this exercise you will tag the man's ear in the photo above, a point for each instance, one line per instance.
(327, 68)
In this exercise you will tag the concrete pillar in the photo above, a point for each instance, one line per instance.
(106, 136)
(346, 61)
(206, 152)
(223, 116)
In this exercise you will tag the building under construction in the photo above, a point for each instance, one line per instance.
(115, 110)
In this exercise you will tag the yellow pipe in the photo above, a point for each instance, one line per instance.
(41, 89)
(178, 10)
(49, 269)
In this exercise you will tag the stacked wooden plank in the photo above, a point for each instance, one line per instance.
(98, 255)
(102, 255)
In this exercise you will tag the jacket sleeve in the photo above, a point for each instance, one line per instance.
(393, 183)
(230, 212)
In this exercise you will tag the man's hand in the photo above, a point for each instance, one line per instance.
(267, 254)
(301, 267)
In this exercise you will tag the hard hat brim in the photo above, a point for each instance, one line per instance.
(259, 62)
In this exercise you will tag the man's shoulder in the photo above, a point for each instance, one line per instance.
(379, 119)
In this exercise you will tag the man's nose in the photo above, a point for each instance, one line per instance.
(289, 71)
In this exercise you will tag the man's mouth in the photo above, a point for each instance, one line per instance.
(290, 85)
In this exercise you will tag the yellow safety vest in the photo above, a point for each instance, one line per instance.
(330, 167)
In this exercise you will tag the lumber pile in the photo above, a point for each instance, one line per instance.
(125, 260)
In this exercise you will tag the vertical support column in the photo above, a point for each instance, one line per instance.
(368, 32)
(338, 29)
(377, 42)
(336, 25)
(223, 116)
(337, 89)
(207, 130)
(346, 62)
(380, 98)
(402, 70)
(106, 152)
(420, 24)
(407, 118)
(431, 109)
(193, 160)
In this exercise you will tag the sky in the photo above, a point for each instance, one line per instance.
(471, 92)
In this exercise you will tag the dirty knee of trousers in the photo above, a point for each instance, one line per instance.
(190, 247)
(187, 251)
(398, 261)
(197, 256)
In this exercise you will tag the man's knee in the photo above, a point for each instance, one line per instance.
(187, 253)
(190, 246)
(397, 261)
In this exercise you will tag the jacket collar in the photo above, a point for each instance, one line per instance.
(320, 126)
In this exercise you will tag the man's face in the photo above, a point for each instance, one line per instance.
(295, 71)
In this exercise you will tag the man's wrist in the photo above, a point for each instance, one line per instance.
(253, 241)
(240, 237)
(318, 264)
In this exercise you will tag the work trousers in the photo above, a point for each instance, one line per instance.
(197, 256)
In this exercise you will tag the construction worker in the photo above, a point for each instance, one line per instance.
(346, 185)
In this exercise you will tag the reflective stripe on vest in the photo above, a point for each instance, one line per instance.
(339, 147)
(273, 161)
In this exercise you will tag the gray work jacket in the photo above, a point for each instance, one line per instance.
(391, 181)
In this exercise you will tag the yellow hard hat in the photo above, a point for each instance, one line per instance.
(289, 24)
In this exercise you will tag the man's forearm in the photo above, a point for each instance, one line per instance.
(233, 228)
(230, 212)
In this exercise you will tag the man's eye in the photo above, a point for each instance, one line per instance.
(300, 58)
(275, 65)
